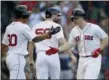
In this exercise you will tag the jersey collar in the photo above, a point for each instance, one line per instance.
(82, 30)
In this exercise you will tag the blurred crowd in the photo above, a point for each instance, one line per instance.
(96, 12)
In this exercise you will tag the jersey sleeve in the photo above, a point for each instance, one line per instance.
(71, 39)
(34, 30)
(27, 32)
(100, 33)
(5, 38)
(60, 34)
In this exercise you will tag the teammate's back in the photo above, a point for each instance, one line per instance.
(42, 28)
(16, 39)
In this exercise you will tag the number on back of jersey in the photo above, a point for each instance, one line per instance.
(41, 31)
(12, 38)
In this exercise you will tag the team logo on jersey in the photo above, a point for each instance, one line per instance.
(86, 37)
(77, 38)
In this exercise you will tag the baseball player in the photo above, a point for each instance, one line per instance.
(91, 40)
(48, 66)
(15, 40)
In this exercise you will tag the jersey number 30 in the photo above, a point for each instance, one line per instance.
(12, 39)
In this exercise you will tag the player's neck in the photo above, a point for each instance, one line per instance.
(20, 20)
(49, 19)
(83, 24)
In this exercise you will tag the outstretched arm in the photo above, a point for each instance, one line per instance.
(51, 32)
(64, 46)
(41, 37)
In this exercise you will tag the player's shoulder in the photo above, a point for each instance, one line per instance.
(93, 25)
(56, 24)
(43, 23)
(74, 28)
(25, 26)
(19, 25)
(53, 23)
(38, 25)
(9, 26)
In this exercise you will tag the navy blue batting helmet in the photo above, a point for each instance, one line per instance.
(77, 13)
(21, 12)
(50, 11)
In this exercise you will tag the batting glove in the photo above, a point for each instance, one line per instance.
(54, 30)
(52, 51)
(96, 53)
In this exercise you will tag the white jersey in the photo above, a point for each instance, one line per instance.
(43, 28)
(16, 37)
(87, 39)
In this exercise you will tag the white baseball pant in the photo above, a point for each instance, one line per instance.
(15, 64)
(89, 68)
(47, 66)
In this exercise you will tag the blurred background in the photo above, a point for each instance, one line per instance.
(96, 12)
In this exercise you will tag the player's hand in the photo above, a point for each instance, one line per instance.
(31, 64)
(54, 30)
(52, 51)
(96, 53)
(33, 70)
